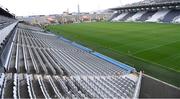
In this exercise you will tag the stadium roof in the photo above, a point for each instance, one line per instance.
(4, 12)
(149, 3)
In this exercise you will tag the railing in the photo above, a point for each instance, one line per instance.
(8, 31)
(138, 86)
(127, 68)
(81, 47)
(78, 44)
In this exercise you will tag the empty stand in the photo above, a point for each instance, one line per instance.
(47, 86)
(146, 16)
(113, 16)
(43, 65)
(150, 11)
(159, 15)
(136, 16)
(40, 53)
(177, 19)
(171, 15)
(130, 14)
(120, 16)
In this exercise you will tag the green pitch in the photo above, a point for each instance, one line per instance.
(154, 48)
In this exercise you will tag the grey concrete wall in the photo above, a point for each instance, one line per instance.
(153, 88)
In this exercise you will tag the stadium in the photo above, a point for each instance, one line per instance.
(134, 54)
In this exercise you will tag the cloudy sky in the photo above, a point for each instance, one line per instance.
(45, 7)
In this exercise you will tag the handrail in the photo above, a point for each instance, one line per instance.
(138, 86)
(128, 68)
(4, 33)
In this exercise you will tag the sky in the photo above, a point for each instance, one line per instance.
(46, 7)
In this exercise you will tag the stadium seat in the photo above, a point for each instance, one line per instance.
(177, 19)
(130, 14)
(120, 17)
(171, 15)
(159, 15)
(136, 16)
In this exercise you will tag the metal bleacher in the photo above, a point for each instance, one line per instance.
(55, 86)
(46, 54)
(43, 65)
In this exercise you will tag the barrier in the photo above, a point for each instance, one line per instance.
(65, 40)
(119, 64)
(138, 86)
(82, 47)
(7, 50)
(5, 32)
(76, 45)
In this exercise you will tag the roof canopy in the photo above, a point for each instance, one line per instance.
(5, 13)
(150, 3)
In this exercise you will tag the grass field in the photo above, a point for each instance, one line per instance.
(154, 48)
